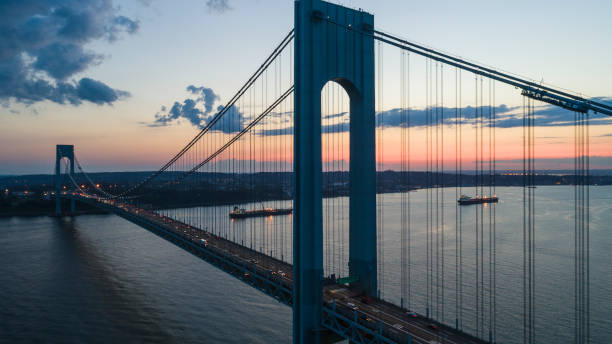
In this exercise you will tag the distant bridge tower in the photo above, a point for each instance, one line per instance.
(63, 151)
(329, 52)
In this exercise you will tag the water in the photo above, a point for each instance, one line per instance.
(101, 278)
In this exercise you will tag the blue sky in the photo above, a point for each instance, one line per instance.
(141, 55)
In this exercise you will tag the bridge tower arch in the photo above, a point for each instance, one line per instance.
(331, 52)
(63, 151)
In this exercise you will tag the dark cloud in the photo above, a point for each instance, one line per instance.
(121, 22)
(506, 117)
(205, 95)
(231, 122)
(423, 117)
(199, 112)
(335, 115)
(218, 6)
(43, 45)
(277, 132)
(61, 60)
(186, 110)
(97, 92)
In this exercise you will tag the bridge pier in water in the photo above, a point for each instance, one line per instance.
(324, 53)
(63, 151)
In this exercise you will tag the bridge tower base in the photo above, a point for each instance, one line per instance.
(331, 52)
(63, 151)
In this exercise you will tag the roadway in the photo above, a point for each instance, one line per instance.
(376, 315)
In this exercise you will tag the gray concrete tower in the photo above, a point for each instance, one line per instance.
(63, 151)
(331, 52)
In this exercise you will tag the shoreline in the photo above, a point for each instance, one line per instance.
(51, 213)
(96, 211)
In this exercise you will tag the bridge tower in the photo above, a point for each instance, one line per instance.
(63, 151)
(331, 52)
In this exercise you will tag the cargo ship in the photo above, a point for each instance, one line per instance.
(466, 200)
(241, 213)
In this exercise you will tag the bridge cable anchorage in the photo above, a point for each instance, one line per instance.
(276, 52)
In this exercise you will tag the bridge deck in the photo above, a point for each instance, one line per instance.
(344, 312)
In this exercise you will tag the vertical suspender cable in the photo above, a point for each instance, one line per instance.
(490, 181)
(409, 180)
(460, 316)
(524, 222)
(437, 188)
(481, 207)
(576, 313)
(403, 179)
(456, 205)
(477, 284)
(587, 230)
(442, 182)
(428, 190)
(494, 208)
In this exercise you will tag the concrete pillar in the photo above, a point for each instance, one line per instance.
(328, 52)
(63, 151)
(72, 205)
(58, 186)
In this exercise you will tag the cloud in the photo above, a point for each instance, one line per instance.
(43, 45)
(206, 95)
(335, 115)
(97, 92)
(218, 6)
(62, 60)
(199, 112)
(231, 122)
(506, 117)
(276, 132)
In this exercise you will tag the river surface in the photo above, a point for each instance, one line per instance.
(99, 278)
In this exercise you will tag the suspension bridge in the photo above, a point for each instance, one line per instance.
(336, 121)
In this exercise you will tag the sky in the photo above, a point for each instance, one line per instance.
(104, 74)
